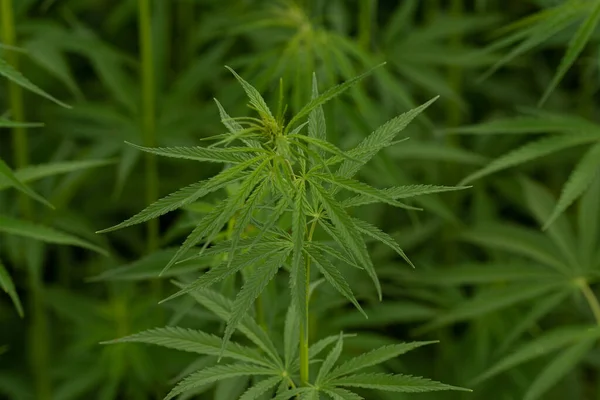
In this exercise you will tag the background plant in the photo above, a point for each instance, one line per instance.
(492, 62)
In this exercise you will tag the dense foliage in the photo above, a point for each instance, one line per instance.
(334, 199)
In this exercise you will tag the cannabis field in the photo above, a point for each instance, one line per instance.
(320, 199)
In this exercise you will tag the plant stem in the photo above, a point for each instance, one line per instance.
(38, 326)
(365, 22)
(304, 336)
(591, 298)
(148, 115)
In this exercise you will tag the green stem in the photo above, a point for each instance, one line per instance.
(591, 298)
(38, 327)
(304, 336)
(148, 114)
(365, 22)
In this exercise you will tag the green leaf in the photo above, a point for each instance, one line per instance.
(258, 254)
(260, 388)
(589, 222)
(217, 373)
(361, 188)
(15, 76)
(222, 307)
(232, 155)
(380, 138)
(291, 335)
(292, 392)
(6, 123)
(491, 300)
(317, 126)
(185, 196)
(330, 360)
(548, 342)
(518, 240)
(377, 234)
(373, 357)
(531, 151)
(44, 234)
(401, 192)
(256, 100)
(562, 365)
(326, 96)
(574, 49)
(580, 179)
(8, 286)
(541, 203)
(298, 278)
(349, 234)
(193, 341)
(341, 394)
(538, 310)
(213, 222)
(334, 277)
(323, 145)
(17, 184)
(243, 220)
(253, 287)
(393, 383)
(36, 172)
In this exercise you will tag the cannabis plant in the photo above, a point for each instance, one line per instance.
(293, 186)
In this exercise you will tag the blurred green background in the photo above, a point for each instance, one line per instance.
(506, 271)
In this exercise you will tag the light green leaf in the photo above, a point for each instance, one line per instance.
(341, 394)
(531, 151)
(232, 155)
(589, 222)
(17, 184)
(15, 76)
(44, 234)
(317, 127)
(349, 234)
(6, 283)
(291, 335)
(393, 383)
(581, 178)
(380, 138)
(377, 234)
(222, 307)
(373, 357)
(298, 271)
(213, 222)
(253, 287)
(185, 196)
(217, 373)
(334, 277)
(326, 96)
(401, 192)
(574, 49)
(194, 341)
(245, 216)
(258, 254)
(330, 360)
(323, 145)
(562, 365)
(256, 100)
(362, 189)
(260, 388)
